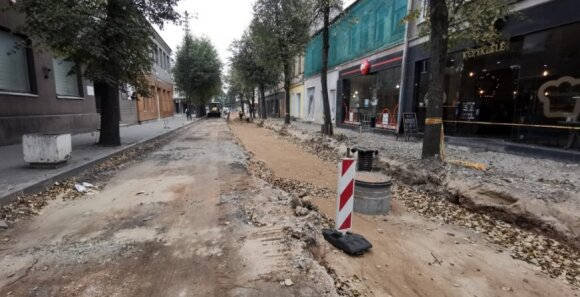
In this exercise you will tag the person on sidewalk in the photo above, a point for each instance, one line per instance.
(188, 113)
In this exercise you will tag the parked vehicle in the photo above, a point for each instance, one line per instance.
(214, 110)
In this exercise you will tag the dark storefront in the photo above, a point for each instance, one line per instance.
(373, 97)
(275, 105)
(526, 89)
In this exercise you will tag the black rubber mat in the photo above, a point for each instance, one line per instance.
(350, 243)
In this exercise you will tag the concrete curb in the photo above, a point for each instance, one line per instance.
(45, 183)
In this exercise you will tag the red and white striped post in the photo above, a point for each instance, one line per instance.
(345, 195)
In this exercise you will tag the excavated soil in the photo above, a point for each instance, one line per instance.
(418, 249)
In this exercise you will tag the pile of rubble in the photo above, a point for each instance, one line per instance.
(309, 221)
(555, 259)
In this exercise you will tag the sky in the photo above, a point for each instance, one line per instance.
(220, 20)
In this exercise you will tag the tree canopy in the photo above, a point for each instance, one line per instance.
(282, 26)
(197, 70)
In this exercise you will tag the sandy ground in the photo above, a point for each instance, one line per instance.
(186, 221)
(411, 255)
(541, 192)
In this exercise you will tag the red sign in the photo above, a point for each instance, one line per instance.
(365, 67)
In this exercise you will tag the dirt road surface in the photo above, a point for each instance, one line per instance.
(187, 221)
(411, 255)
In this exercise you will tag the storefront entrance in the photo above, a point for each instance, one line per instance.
(526, 89)
(372, 99)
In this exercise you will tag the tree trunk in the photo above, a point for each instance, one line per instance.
(438, 47)
(110, 116)
(253, 106)
(242, 102)
(110, 110)
(327, 126)
(263, 103)
(287, 79)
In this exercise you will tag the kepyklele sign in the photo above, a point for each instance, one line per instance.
(485, 50)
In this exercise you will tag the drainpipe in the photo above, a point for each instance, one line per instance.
(403, 84)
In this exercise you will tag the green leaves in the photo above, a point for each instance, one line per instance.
(282, 27)
(197, 70)
(471, 22)
(112, 39)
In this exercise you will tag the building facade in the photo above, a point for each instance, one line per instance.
(36, 93)
(524, 89)
(160, 104)
(368, 32)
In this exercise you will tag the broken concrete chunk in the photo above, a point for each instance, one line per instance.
(296, 202)
(288, 282)
(301, 211)
(307, 201)
(3, 225)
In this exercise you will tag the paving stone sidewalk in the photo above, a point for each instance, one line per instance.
(16, 175)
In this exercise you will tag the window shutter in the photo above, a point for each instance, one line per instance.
(13, 65)
(66, 85)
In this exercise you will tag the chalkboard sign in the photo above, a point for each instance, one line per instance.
(410, 124)
(468, 111)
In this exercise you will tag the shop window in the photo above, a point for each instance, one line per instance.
(423, 12)
(66, 78)
(14, 65)
(373, 97)
(528, 91)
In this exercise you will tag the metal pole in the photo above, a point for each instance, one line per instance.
(403, 84)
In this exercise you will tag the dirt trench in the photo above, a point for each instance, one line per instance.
(414, 254)
(552, 213)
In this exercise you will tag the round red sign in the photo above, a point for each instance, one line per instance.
(365, 67)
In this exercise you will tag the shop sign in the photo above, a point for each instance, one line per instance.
(549, 99)
(410, 127)
(365, 67)
(486, 50)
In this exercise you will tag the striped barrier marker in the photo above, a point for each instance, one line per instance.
(345, 195)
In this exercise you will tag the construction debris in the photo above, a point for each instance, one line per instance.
(555, 259)
(467, 164)
(70, 189)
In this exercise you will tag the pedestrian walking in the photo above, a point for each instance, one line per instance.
(188, 113)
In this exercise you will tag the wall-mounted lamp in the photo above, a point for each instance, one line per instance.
(46, 71)
(12, 2)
